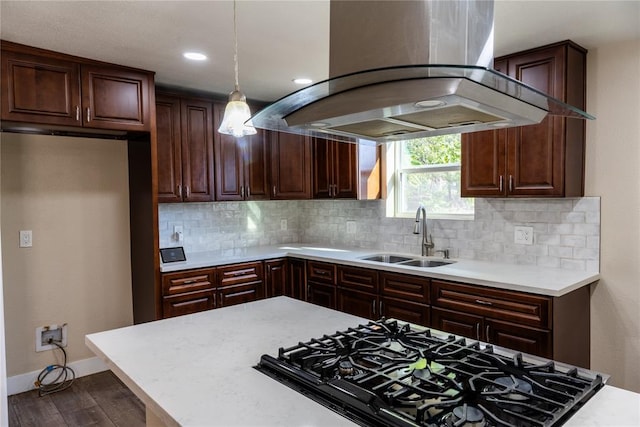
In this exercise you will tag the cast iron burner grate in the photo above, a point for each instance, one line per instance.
(388, 373)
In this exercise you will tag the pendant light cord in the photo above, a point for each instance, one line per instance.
(235, 39)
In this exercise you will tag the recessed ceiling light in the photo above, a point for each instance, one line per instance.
(319, 124)
(302, 81)
(195, 56)
(500, 124)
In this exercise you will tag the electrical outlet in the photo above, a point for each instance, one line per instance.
(26, 238)
(523, 235)
(351, 227)
(283, 224)
(46, 334)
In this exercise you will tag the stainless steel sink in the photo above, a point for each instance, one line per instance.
(425, 263)
(390, 259)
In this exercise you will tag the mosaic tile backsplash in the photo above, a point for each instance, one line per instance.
(566, 232)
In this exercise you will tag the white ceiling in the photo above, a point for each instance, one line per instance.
(278, 40)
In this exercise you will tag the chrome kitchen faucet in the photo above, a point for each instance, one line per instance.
(427, 241)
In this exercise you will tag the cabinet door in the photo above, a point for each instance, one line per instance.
(519, 338)
(536, 152)
(40, 90)
(114, 98)
(290, 166)
(275, 276)
(483, 164)
(229, 169)
(405, 310)
(297, 283)
(458, 323)
(360, 304)
(322, 169)
(345, 170)
(321, 294)
(187, 303)
(197, 150)
(256, 170)
(169, 149)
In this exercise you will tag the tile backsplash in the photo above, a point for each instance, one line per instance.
(566, 232)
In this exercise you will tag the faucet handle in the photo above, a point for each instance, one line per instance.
(445, 253)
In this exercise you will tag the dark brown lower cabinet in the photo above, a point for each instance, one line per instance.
(321, 294)
(405, 310)
(297, 283)
(275, 277)
(191, 291)
(503, 334)
(187, 303)
(358, 303)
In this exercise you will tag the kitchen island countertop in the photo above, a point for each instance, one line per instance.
(197, 370)
(524, 278)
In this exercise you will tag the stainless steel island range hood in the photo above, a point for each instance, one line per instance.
(408, 69)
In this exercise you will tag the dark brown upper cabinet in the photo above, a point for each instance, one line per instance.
(240, 163)
(290, 166)
(44, 87)
(334, 169)
(185, 149)
(543, 160)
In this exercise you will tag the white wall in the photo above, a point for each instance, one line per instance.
(73, 194)
(612, 172)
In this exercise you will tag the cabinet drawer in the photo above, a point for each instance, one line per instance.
(187, 303)
(240, 273)
(358, 278)
(240, 293)
(404, 286)
(188, 281)
(518, 307)
(405, 310)
(321, 272)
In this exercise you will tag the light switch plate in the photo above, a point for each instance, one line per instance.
(523, 235)
(26, 238)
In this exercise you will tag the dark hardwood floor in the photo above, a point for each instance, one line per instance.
(95, 400)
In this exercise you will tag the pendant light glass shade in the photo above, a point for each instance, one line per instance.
(237, 115)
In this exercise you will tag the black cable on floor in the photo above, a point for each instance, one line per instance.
(63, 381)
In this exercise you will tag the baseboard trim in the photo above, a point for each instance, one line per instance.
(24, 382)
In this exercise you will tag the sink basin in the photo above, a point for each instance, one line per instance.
(391, 259)
(426, 263)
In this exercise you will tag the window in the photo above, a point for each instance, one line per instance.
(427, 171)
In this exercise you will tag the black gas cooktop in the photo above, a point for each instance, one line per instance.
(389, 373)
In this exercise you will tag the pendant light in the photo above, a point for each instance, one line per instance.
(237, 116)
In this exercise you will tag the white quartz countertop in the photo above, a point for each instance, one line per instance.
(524, 278)
(196, 370)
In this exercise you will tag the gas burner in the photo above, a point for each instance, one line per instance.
(517, 388)
(466, 416)
(345, 368)
(421, 374)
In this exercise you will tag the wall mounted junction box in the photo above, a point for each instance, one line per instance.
(46, 334)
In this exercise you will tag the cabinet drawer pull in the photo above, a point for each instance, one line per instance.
(88, 114)
(481, 302)
(239, 273)
(77, 113)
(188, 282)
(320, 272)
